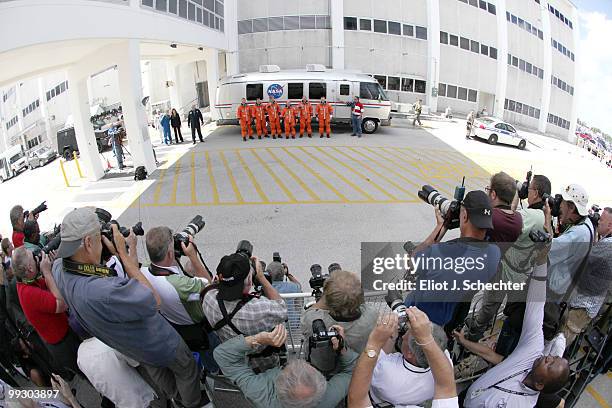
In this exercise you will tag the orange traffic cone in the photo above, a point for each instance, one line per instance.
(108, 165)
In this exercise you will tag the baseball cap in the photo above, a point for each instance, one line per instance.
(577, 195)
(77, 224)
(234, 269)
(478, 207)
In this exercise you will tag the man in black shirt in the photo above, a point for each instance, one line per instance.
(194, 120)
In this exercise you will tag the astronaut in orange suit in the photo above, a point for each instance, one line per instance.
(289, 120)
(244, 116)
(324, 115)
(258, 112)
(305, 111)
(274, 114)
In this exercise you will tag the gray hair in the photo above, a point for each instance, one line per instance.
(158, 241)
(294, 379)
(20, 262)
(440, 339)
(16, 214)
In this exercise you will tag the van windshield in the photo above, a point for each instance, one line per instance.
(14, 158)
(372, 90)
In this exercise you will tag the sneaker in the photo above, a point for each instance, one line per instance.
(273, 137)
(353, 134)
(328, 136)
(358, 135)
(251, 137)
(244, 139)
(194, 142)
(321, 136)
(309, 135)
(201, 140)
(301, 136)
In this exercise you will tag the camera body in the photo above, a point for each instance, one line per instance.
(523, 187)
(106, 222)
(554, 203)
(321, 354)
(317, 281)
(449, 208)
(396, 304)
(276, 257)
(594, 216)
(194, 226)
(40, 208)
(538, 236)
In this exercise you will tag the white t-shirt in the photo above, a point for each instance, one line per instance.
(438, 403)
(400, 383)
(556, 346)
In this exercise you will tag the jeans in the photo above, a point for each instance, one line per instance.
(167, 136)
(356, 122)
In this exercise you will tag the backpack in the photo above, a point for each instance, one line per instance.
(140, 173)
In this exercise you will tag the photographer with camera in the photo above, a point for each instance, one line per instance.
(437, 381)
(343, 304)
(282, 280)
(297, 385)
(122, 312)
(18, 218)
(45, 309)
(230, 310)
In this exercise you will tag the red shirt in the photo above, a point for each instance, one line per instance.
(357, 108)
(18, 238)
(506, 228)
(39, 306)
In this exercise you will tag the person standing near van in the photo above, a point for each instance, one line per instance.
(289, 120)
(244, 116)
(324, 115)
(469, 124)
(274, 114)
(417, 111)
(258, 112)
(175, 121)
(305, 110)
(194, 120)
(165, 124)
(356, 116)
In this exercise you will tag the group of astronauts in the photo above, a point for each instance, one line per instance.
(272, 112)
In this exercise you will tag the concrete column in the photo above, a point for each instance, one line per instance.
(172, 73)
(433, 54)
(85, 136)
(3, 131)
(571, 137)
(19, 107)
(212, 76)
(546, 85)
(44, 108)
(502, 60)
(336, 17)
(232, 56)
(134, 114)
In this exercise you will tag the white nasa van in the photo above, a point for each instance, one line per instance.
(338, 87)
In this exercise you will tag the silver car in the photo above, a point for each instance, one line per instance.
(40, 157)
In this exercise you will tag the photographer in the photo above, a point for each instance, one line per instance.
(122, 312)
(45, 309)
(278, 272)
(507, 223)
(297, 385)
(180, 294)
(444, 389)
(17, 221)
(32, 239)
(343, 304)
(230, 310)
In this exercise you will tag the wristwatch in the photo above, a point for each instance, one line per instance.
(370, 352)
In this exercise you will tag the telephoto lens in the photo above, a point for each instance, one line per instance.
(194, 226)
(432, 196)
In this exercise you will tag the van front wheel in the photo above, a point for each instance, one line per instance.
(369, 126)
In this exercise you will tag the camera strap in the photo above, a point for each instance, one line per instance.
(159, 271)
(87, 269)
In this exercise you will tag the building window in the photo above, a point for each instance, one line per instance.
(254, 91)
(317, 90)
(295, 90)
(408, 30)
(380, 26)
(484, 50)
(493, 52)
(454, 40)
(395, 28)
(260, 25)
(393, 83)
(307, 23)
(474, 46)
(472, 95)
(483, 4)
(491, 8)
(464, 43)
(365, 24)
(515, 61)
(443, 37)
(441, 89)
(345, 89)
(451, 91)
(350, 23)
(292, 22)
(407, 85)
(462, 93)
(382, 80)
(275, 24)
(419, 86)
(421, 33)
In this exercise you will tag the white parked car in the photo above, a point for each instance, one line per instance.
(496, 131)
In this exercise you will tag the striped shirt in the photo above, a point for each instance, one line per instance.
(357, 108)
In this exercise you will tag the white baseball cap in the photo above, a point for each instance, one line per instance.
(577, 195)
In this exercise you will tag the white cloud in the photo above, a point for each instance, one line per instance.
(595, 74)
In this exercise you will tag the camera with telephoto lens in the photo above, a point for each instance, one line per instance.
(396, 303)
(522, 187)
(594, 216)
(449, 208)
(245, 248)
(41, 207)
(317, 281)
(194, 226)
(539, 236)
(106, 222)
(321, 353)
(554, 203)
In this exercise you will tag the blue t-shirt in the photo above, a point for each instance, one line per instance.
(122, 313)
(440, 284)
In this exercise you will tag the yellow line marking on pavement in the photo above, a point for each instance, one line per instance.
(597, 396)
(177, 170)
(275, 177)
(371, 170)
(294, 176)
(213, 184)
(231, 177)
(609, 374)
(159, 186)
(317, 175)
(251, 177)
(193, 179)
(340, 176)
(231, 203)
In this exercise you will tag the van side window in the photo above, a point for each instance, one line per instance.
(254, 91)
(368, 90)
(345, 89)
(317, 90)
(296, 91)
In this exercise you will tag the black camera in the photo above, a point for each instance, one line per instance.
(245, 248)
(317, 281)
(194, 226)
(539, 236)
(449, 208)
(276, 257)
(594, 216)
(396, 303)
(41, 207)
(321, 353)
(554, 203)
(52, 245)
(106, 222)
(523, 187)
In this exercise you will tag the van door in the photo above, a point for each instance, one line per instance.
(343, 96)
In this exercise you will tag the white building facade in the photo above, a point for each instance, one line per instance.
(516, 58)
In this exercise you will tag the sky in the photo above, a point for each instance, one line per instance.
(595, 64)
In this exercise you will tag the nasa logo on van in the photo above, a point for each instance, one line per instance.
(275, 91)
